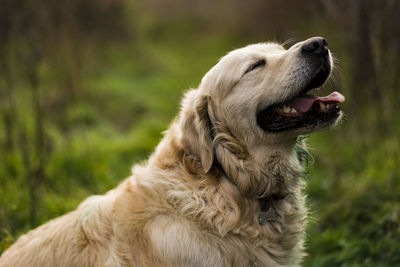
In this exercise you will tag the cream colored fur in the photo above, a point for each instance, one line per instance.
(195, 202)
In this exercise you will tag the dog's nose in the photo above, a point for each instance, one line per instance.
(315, 45)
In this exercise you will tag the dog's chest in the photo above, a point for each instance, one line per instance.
(274, 239)
(260, 244)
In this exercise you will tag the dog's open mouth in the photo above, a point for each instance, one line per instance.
(304, 110)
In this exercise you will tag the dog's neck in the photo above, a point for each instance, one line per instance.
(244, 186)
(270, 178)
(260, 175)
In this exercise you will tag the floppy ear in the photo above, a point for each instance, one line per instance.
(196, 130)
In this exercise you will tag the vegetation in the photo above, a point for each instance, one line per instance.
(88, 86)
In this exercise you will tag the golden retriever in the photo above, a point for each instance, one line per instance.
(223, 187)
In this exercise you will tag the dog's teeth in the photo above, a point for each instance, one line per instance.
(321, 106)
(286, 109)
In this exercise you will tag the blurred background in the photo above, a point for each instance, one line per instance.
(87, 87)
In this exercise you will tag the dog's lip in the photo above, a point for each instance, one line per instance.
(304, 102)
(315, 110)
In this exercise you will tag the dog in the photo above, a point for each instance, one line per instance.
(223, 187)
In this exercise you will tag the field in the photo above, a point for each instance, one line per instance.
(80, 109)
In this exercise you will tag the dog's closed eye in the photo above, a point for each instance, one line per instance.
(259, 63)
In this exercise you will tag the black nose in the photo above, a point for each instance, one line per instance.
(315, 45)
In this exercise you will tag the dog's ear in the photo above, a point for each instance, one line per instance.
(196, 132)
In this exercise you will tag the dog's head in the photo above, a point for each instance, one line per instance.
(255, 100)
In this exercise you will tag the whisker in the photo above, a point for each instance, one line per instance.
(288, 41)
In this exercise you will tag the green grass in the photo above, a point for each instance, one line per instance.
(354, 192)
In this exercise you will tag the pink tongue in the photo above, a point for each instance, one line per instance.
(304, 103)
